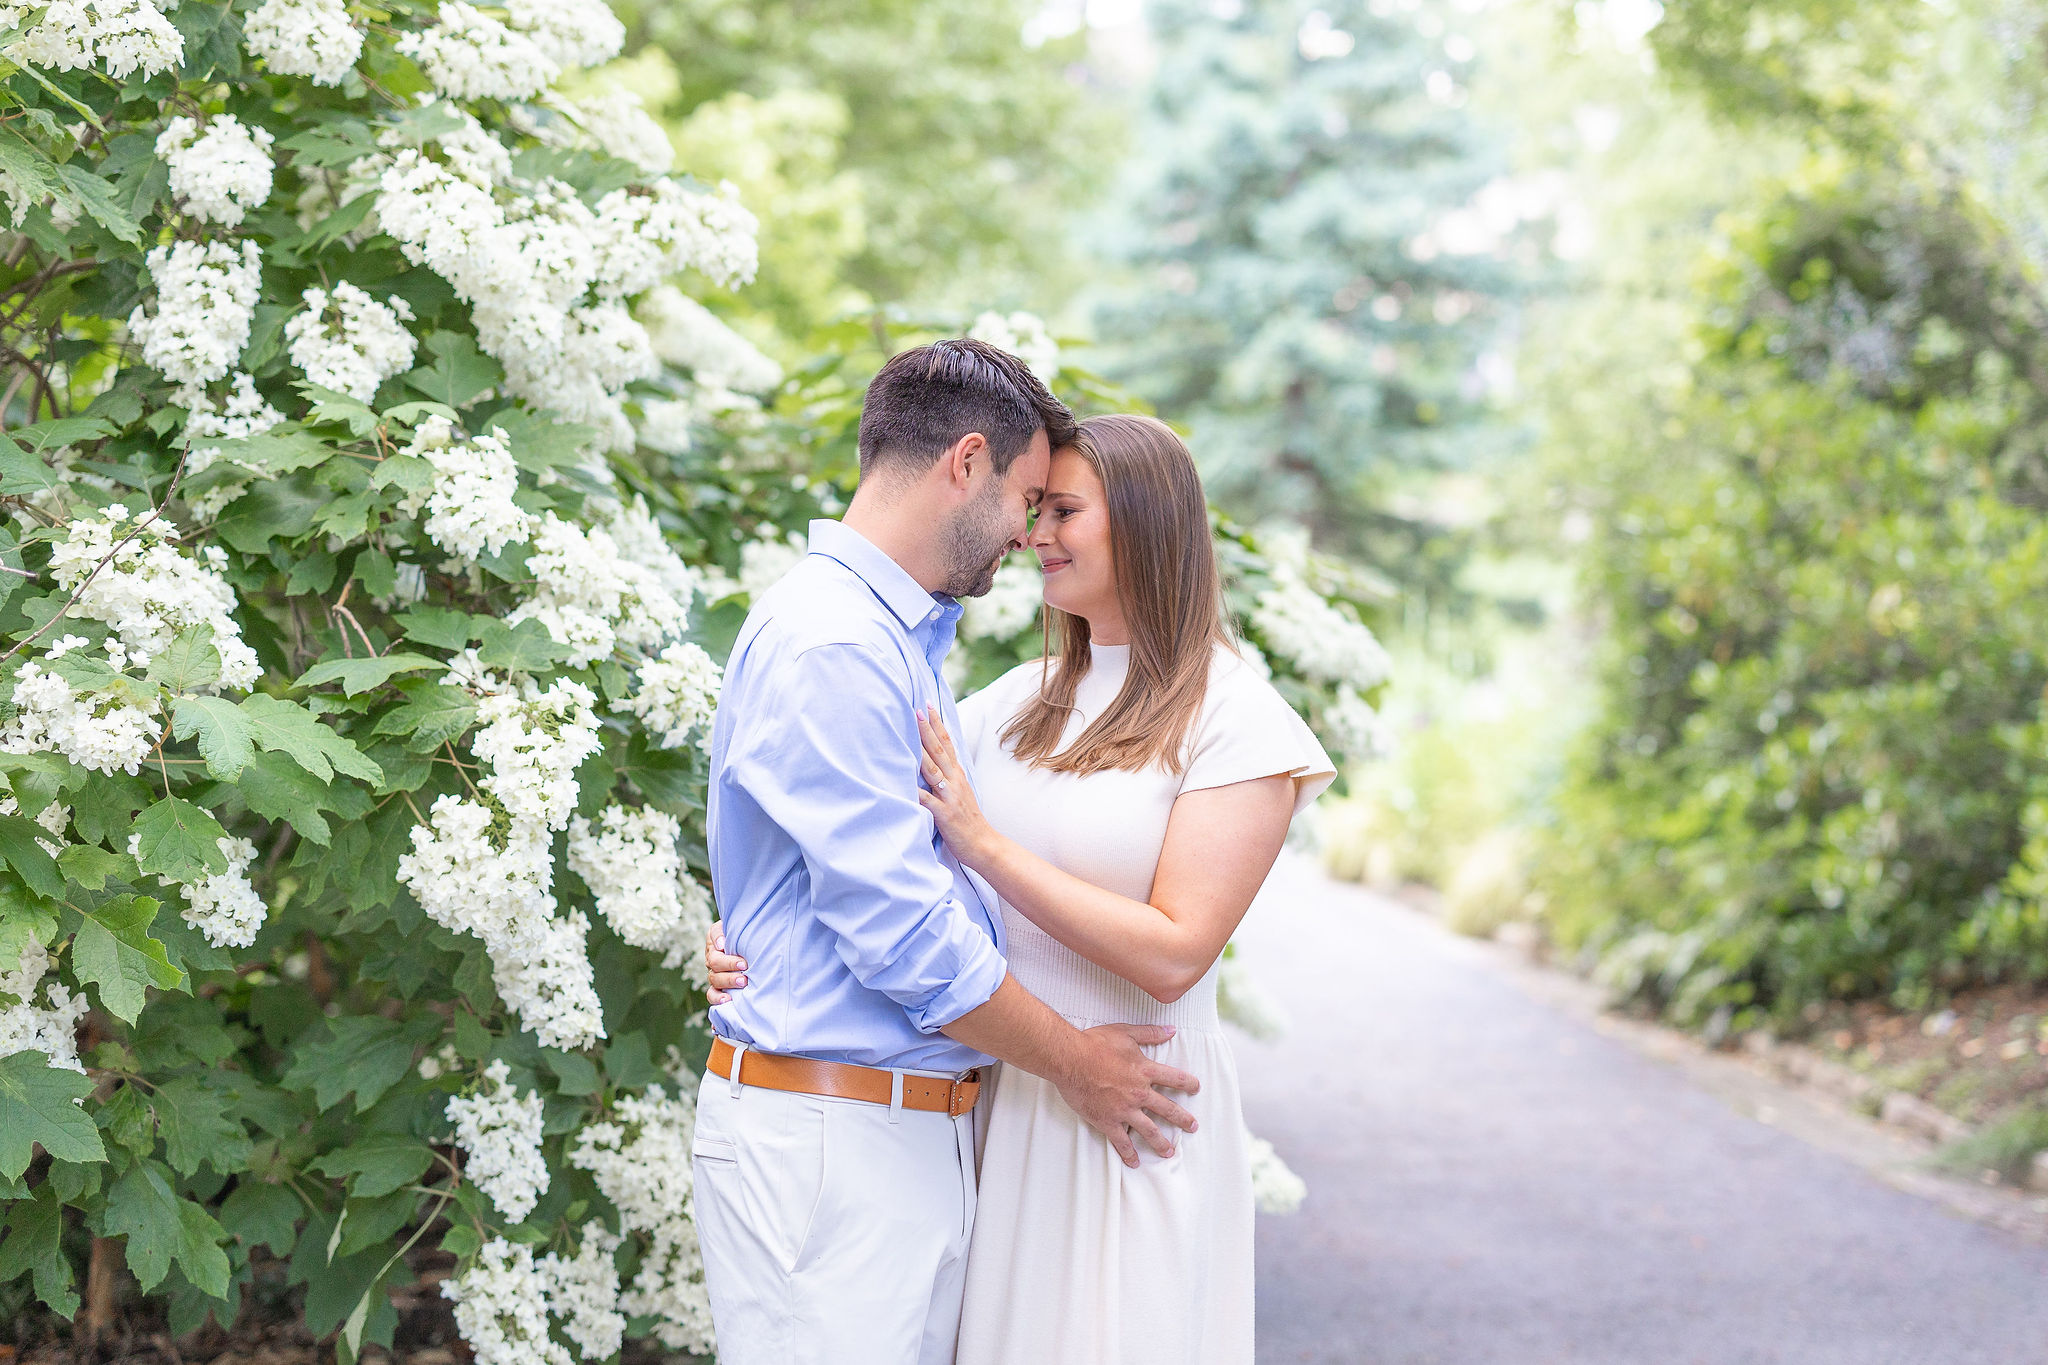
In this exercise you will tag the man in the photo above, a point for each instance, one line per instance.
(834, 1155)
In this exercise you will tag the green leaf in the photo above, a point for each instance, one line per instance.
(431, 716)
(22, 919)
(22, 473)
(332, 144)
(213, 39)
(92, 867)
(30, 167)
(576, 1073)
(96, 197)
(271, 510)
(224, 734)
(339, 408)
(459, 373)
(364, 1054)
(380, 1163)
(277, 451)
(161, 1228)
(541, 443)
(442, 627)
(337, 224)
(195, 1122)
(34, 1246)
(408, 472)
(59, 432)
(262, 1215)
(278, 789)
(526, 647)
(179, 841)
(113, 951)
(20, 851)
(189, 662)
(288, 728)
(36, 1106)
(361, 675)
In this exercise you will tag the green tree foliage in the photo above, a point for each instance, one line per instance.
(1816, 549)
(1307, 294)
(910, 152)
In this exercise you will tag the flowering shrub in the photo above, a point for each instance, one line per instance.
(378, 509)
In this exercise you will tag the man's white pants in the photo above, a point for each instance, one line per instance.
(833, 1230)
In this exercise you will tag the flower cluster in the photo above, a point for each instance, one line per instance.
(224, 907)
(469, 55)
(486, 869)
(1023, 335)
(205, 297)
(469, 506)
(369, 346)
(221, 171)
(763, 562)
(242, 413)
(583, 1293)
(617, 125)
(629, 861)
(1007, 608)
(684, 332)
(678, 692)
(1354, 727)
(1275, 1188)
(100, 731)
(310, 38)
(1297, 623)
(501, 1308)
(640, 1160)
(51, 1029)
(595, 597)
(499, 1131)
(121, 35)
(134, 577)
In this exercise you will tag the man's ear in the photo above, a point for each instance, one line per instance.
(967, 455)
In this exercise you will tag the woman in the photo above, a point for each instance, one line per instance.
(1130, 793)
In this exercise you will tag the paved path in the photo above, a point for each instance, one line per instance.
(1493, 1179)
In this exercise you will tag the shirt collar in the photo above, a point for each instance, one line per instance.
(901, 593)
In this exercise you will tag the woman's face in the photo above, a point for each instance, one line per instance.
(1071, 537)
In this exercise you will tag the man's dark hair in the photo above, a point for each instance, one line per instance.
(927, 398)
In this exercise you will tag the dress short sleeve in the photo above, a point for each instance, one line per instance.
(1249, 731)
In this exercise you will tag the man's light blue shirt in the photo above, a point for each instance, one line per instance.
(863, 935)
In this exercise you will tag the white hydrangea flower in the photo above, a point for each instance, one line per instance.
(205, 297)
(499, 1132)
(763, 562)
(52, 1028)
(1354, 728)
(546, 978)
(150, 588)
(645, 233)
(469, 883)
(534, 744)
(665, 425)
(468, 55)
(243, 413)
(1297, 623)
(55, 818)
(370, 345)
(225, 907)
(583, 1292)
(687, 334)
(99, 733)
(618, 124)
(501, 1308)
(630, 863)
(469, 505)
(678, 692)
(1275, 1188)
(221, 170)
(1024, 336)
(640, 1160)
(310, 38)
(121, 35)
(593, 599)
(1241, 1001)
(1008, 607)
(571, 33)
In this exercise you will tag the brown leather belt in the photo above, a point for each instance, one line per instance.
(843, 1080)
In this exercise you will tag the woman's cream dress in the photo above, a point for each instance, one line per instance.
(1077, 1259)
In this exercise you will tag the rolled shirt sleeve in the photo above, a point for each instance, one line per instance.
(837, 769)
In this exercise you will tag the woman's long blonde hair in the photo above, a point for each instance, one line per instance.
(1168, 586)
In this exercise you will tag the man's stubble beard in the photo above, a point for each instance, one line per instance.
(976, 545)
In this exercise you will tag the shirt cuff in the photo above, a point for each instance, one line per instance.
(971, 988)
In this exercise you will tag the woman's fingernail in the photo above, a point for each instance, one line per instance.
(742, 981)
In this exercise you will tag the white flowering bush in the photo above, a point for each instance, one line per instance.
(356, 656)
